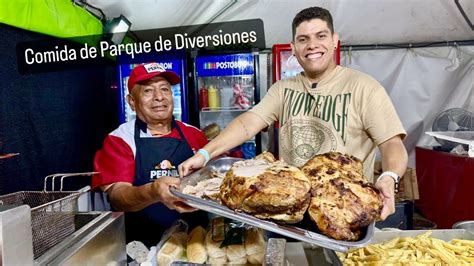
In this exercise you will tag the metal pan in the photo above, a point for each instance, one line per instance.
(298, 231)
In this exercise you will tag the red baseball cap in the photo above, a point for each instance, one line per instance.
(150, 70)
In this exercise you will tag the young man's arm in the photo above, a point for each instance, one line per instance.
(394, 159)
(241, 129)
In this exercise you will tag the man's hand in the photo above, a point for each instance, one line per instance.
(191, 164)
(394, 158)
(386, 185)
(238, 131)
(161, 188)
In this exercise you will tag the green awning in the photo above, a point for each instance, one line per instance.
(59, 18)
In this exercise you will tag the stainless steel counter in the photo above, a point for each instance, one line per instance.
(99, 240)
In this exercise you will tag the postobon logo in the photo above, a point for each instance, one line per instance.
(304, 139)
(165, 168)
(227, 64)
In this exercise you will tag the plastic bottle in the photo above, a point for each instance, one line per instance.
(213, 97)
(248, 150)
(203, 97)
(227, 93)
(177, 100)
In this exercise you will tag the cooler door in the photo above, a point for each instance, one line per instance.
(226, 88)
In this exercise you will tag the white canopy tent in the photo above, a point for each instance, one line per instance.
(422, 82)
(357, 21)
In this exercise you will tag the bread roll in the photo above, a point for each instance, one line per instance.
(236, 253)
(218, 260)
(238, 261)
(181, 238)
(172, 250)
(212, 247)
(254, 242)
(256, 258)
(196, 249)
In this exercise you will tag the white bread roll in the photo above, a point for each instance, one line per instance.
(172, 250)
(254, 242)
(218, 260)
(196, 250)
(256, 258)
(236, 253)
(240, 261)
(181, 237)
(212, 247)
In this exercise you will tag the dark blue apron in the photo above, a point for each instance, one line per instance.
(156, 157)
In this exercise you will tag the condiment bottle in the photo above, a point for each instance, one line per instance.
(203, 98)
(213, 97)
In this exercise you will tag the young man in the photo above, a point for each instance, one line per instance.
(325, 108)
(138, 161)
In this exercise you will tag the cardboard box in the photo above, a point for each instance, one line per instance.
(408, 183)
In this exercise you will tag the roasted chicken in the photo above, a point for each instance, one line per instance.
(342, 202)
(266, 189)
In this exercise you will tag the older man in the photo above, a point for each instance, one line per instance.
(138, 161)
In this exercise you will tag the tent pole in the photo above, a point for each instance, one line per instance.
(405, 45)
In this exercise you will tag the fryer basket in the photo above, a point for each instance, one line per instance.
(52, 213)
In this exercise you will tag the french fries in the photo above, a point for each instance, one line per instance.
(421, 250)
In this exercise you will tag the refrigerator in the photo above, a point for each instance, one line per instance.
(285, 65)
(174, 61)
(226, 85)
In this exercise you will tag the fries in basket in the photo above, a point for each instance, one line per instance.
(421, 250)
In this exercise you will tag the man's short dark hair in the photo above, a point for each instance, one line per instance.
(310, 13)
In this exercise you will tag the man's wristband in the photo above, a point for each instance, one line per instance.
(206, 155)
(393, 175)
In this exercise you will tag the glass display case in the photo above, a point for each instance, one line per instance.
(226, 87)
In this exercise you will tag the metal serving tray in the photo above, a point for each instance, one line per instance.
(299, 231)
(382, 236)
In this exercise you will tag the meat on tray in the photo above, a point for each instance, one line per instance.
(204, 188)
(267, 190)
(342, 201)
(330, 186)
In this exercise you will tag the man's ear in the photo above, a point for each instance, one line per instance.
(131, 102)
(293, 47)
(335, 39)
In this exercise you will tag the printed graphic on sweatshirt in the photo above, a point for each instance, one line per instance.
(303, 139)
(331, 110)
